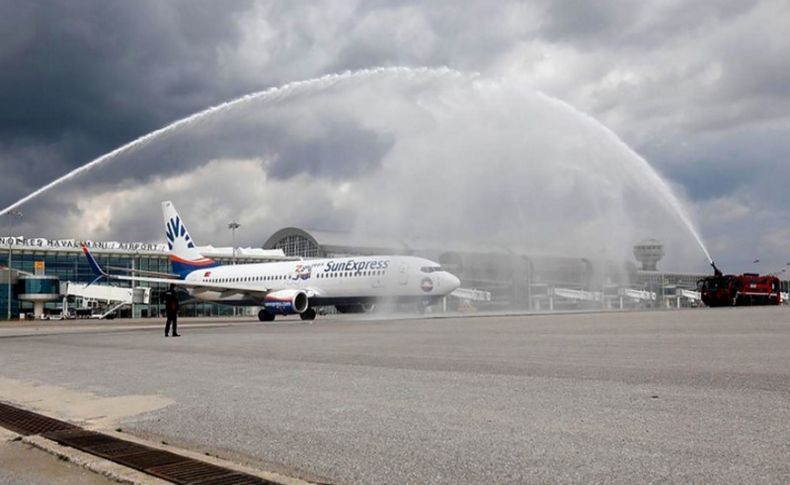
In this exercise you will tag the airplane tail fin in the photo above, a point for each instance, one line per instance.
(184, 255)
(98, 271)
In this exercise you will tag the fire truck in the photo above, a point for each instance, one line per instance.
(739, 290)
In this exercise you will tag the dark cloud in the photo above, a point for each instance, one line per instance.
(82, 77)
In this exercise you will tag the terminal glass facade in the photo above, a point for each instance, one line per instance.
(298, 245)
(39, 286)
(71, 265)
(4, 288)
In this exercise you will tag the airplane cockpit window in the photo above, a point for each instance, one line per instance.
(431, 269)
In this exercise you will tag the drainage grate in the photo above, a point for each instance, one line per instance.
(159, 463)
(27, 423)
(162, 464)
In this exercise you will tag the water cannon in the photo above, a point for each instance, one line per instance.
(716, 272)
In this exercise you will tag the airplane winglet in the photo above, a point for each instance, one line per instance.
(97, 270)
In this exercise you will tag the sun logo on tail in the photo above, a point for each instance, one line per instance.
(177, 229)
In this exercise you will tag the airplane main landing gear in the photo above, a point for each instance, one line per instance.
(265, 316)
(308, 314)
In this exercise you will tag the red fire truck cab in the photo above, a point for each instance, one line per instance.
(740, 290)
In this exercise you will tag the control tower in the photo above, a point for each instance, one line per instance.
(649, 252)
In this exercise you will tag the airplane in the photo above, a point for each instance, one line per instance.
(350, 284)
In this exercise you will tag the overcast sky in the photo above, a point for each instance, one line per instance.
(700, 89)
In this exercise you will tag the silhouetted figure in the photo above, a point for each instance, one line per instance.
(171, 307)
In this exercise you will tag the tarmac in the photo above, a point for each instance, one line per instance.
(682, 396)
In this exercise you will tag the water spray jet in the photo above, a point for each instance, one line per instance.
(574, 184)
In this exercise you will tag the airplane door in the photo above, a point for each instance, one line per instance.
(403, 276)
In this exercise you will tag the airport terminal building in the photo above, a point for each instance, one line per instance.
(41, 267)
(50, 275)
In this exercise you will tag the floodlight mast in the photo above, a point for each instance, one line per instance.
(233, 225)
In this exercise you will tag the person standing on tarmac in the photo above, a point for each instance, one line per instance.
(171, 307)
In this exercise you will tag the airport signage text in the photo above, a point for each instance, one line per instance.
(38, 242)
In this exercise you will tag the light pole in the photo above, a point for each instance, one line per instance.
(603, 278)
(11, 215)
(233, 225)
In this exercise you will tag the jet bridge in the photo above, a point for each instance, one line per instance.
(111, 298)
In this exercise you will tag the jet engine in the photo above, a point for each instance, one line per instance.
(285, 302)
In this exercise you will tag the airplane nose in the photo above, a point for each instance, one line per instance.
(453, 282)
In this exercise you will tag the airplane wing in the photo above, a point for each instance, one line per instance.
(197, 286)
(143, 272)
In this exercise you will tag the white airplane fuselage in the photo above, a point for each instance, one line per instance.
(331, 281)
